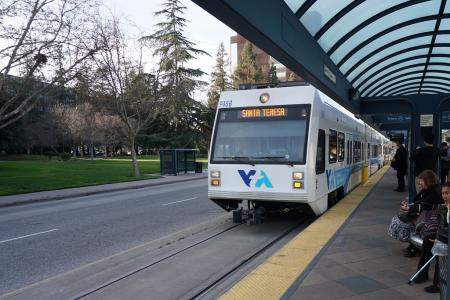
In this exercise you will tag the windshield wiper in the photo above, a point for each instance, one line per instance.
(268, 157)
(242, 159)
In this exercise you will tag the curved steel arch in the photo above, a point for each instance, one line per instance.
(389, 56)
(400, 80)
(406, 50)
(395, 27)
(371, 20)
(433, 38)
(304, 8)
(413, 66)
(378, 50)
(393, 64)
(387, 92)
(415, 91)
(382, 83)
(337, 17)
(427, 89)
(418, 86)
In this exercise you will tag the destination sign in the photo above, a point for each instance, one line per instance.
(256, 114)
(263, 112)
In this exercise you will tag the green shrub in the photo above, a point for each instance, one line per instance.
(65, 156)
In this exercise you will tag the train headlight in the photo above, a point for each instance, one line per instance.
(297, 184)
(298, 175)
(215, 174)
(215, 182)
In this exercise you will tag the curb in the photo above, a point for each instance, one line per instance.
(83, 194)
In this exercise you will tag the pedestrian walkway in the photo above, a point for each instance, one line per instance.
(96, 189)
(359, 261)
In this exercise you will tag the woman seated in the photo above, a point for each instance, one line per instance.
(440, 274)
(428, 199)
(429, 196)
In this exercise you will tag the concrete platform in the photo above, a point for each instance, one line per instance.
(357, 261)
(362, 261)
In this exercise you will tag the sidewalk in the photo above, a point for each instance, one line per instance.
(96, 189)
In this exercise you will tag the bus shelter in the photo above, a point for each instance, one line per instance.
(176, 161)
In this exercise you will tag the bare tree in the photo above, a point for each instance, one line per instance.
(133, 94)
(42, 45)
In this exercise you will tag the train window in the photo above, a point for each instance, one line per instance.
(320, 157)
(368, 151)
(332, 146)
(350, 152)
(356, 151)
(341, 148)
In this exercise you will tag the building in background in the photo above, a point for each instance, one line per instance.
(263, 60)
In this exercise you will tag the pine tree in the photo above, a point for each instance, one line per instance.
(219, 77)
(247, 71)
(292, 77)
(272, 77)
(175, 51)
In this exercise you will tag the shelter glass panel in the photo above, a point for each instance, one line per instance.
(355, 17)
(396, 74)
(385, 52)
(443, 38)
(406, 14)
(294, 5)
(440, 59)
(362, 67)
(381, 41)
(383, 73)
(406, 77)
(441, 50)
(439, 68)
(320, 13)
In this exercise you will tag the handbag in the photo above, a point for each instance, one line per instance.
(399, 230)
(430, 223)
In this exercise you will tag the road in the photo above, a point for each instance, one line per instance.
(41, 240)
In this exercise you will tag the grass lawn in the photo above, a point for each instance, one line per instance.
(24, 176)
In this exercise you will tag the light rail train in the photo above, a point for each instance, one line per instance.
(288, 147)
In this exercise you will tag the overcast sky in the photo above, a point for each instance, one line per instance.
(203, 29)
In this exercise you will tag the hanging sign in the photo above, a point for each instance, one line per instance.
(426, 120)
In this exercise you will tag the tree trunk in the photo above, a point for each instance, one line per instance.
(81, 150)
(105, 154)
(137, 173)
(91, 150)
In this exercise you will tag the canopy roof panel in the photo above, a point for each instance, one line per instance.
(383, 47)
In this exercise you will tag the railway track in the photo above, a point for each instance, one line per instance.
(198, 263)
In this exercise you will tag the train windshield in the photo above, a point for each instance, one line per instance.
(276, 134)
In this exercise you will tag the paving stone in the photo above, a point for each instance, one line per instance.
(314, 278)
(361, 284)
(336, 272)
(380, 294)
(324, 291)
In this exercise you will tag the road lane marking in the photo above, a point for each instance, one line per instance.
(189, 199)
(28, 235)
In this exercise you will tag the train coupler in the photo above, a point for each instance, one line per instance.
(250, 216)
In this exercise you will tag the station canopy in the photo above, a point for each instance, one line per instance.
(383, 47)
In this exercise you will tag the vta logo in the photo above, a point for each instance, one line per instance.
(263, 179)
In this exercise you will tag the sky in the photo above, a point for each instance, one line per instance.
(202, 28)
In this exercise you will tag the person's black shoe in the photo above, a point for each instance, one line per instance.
(432, 289)
(408, 249)
(421, 279)
(412, 253)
